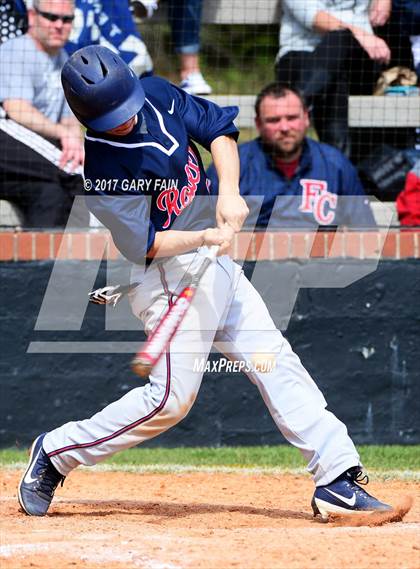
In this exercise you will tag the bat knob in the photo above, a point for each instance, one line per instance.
(141, 367)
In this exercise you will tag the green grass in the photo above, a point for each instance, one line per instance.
(377, 458)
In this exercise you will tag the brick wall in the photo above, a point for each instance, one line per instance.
(396, 244)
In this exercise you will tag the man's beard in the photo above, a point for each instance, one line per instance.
(275, 150)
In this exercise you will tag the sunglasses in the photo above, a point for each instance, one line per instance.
(55, 17)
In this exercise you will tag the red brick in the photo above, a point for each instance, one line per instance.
(62, 246)
(97, 244)
(417, 243)
(353, 244)
(25, 246)
(407, 244)
(299, 245)
(42, 245)
(56, 243)
(282, 245)
(390, 246)
(239, 246)
(371, 245)
(262, 246)
(318, 244)
(271, 245)
(250, 239)
(6, 246)
(244, 246)
(335, 244)
(78, 246)
(113, 252)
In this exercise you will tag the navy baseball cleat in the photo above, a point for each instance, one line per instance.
(344, 496)
(38, 484)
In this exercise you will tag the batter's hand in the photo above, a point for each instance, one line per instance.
(231, 209)
(221, 236)
(106, 295)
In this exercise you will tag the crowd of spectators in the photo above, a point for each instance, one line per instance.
(328, 50)
(41, 145)
(110, 23)
(184, 18)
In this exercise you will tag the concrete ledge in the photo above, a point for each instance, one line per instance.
(364, 111)
(233, 12)
(385, 111)
(382, 214)
(10, 215)
(97, 244)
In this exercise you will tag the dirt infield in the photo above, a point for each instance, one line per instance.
(199, 520)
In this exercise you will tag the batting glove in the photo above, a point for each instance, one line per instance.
(111, 294)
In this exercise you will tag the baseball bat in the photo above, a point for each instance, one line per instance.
(158, 341)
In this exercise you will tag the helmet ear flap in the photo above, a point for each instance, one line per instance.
(100, 88)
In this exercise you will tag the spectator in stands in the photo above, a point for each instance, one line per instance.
(316, 183)
(40, 140)
(403, 22)
(328, 50)
(185, 20)
(408, 201)
(110, 23)
(406, 15)
(415, 47)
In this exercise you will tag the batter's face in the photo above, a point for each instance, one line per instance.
(50, 35)
(125, 128)
(282, 124)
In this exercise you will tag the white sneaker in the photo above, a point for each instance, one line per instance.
(144, 9)
(195, 84)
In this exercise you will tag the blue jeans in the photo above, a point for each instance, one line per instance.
(185, 20)
(337, 67)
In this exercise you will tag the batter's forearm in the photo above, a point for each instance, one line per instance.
(172, 242)
(231, 208)
(224, 152)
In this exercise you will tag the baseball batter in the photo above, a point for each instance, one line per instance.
(141, 134)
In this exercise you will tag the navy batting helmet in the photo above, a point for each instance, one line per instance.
(100, 88)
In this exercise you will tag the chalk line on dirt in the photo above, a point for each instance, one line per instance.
(104, 554)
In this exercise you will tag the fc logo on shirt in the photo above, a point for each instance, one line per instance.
(316, 199)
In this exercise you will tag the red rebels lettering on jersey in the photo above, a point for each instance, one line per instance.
(174, 201)
(316, 198)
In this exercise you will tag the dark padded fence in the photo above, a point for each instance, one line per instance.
(360, 343)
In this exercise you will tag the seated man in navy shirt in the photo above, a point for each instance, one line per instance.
(300, 182)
